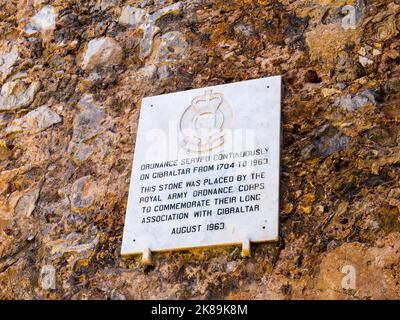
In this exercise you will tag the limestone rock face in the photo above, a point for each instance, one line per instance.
(172, 48)
(72, 76)
(132, 16)
(147, 23)
(371, 266)
(35, 121)
(81, 197)
(87, 126)
(353, 102)
(8, 57)
(44, 20)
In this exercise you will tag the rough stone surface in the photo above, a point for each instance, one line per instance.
(87, 125)
(351, 102)
(101, 51)
(146, 22)
(35, 121)
(8, 57)
(375, 267)
(48, 277)
(81, 195)
(44, 20)
(132, 16)
(64, 184)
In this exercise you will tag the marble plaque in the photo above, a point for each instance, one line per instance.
(206, 168)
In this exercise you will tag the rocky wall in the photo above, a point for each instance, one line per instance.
(72, 75)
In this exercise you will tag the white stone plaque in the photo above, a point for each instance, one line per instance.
(206, 169)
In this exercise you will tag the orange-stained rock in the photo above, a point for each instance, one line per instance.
(70, 96)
